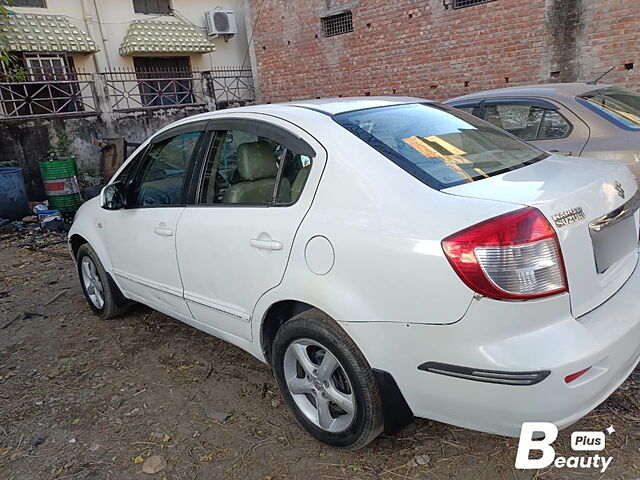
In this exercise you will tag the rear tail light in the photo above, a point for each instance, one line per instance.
(515, 256)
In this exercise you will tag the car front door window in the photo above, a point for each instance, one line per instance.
(161, 180)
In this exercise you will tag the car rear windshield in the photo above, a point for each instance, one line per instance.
(617, 105)
(439, 145)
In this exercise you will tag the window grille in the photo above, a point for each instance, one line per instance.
(337, 24)
(29, 3)
(468, 3)
(152, 7)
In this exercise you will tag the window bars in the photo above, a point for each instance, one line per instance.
(468, 3)
(337, 24)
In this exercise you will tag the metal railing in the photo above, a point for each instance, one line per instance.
(230, 86)
(125, 90)
(147, 89)
(73, 94)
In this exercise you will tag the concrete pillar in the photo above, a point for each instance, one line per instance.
(101, 90)
(208, 92)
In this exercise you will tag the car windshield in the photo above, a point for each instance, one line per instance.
(617, 104)
(439, 145)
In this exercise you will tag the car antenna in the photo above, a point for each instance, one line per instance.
(595, 82)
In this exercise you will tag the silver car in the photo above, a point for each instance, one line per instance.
(578, 119)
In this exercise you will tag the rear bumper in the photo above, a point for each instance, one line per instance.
(511, 336)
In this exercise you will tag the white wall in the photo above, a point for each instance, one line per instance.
(115, 16)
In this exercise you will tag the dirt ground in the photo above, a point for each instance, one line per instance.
(85, 398)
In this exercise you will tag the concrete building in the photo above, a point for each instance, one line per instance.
(101, 35)
(439, 48)
(112, 72)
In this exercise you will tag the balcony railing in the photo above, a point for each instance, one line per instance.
(231, 86)
(139, 90)
(76, 94)
(73, 94)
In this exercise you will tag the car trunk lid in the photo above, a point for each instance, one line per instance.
(593, 207)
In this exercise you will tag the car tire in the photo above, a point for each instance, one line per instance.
(98, 288)
(337, 402)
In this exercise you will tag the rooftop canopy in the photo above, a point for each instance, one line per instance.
(150, 36)
(44, 33)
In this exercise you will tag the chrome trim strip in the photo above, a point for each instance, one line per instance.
(621, 213)
(124, 276)
(218, 309)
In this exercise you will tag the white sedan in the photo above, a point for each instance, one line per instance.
(389, 257)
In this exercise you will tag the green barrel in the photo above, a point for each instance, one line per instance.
(60, 179)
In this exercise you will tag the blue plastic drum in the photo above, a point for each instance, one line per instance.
(13, 194)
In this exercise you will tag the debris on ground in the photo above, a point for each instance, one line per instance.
(154, 465)
(218, 415)
(67, 375)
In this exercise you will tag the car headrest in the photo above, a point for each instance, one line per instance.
(256, 160)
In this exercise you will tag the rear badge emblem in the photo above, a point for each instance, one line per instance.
(620, 190)
(568, 217)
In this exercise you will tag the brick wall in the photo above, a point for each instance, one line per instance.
(419, 48)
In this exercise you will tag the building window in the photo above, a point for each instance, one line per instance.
(29, 3)
(337, 24)
(43, 67)
(468, 3)
(152, 7)
(164, 81)
(49, 86)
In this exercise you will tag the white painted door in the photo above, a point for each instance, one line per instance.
(258, 182)
(142, 237)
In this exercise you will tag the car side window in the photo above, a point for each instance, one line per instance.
(520, 120)
(467, 109)
(126, 175)
(247, 168)
(529, 122)
(161, 178)
(553, 126)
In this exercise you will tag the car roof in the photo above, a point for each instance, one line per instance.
(327, 106)
(324, 106)
(332, 106)
(542, 90)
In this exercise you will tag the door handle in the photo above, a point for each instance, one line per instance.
(265, 244)
(163, 231)
(561, 152)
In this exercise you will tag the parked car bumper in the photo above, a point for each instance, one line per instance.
(511, 337)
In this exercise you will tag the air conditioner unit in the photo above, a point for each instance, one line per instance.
(221, 22)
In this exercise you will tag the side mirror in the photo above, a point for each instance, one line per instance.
(113, 196)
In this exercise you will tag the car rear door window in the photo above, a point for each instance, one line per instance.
(246, 167)
(529, 122)
(521, 120)
(161, 179)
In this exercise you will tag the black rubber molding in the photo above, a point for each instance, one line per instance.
(487, 376)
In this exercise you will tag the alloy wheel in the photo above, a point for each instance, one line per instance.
(319, 385)
(92, 283)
